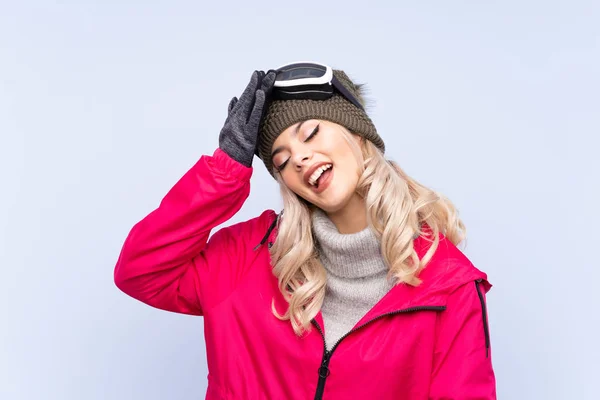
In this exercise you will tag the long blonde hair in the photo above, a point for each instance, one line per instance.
(397, 207)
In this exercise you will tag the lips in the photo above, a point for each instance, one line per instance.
(323, 182)
(311, 170)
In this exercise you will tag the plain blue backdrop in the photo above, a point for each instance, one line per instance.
(104, 105)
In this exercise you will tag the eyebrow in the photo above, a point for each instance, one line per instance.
(281, 148)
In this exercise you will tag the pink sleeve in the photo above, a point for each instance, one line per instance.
(167, 260)
(462, 367)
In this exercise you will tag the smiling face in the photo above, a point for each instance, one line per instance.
(317, 163)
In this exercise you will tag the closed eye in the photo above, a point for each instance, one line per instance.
(313, 133)
(282, 166)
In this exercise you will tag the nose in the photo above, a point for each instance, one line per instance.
(301, 158)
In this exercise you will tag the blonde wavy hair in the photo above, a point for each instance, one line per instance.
(397, 209)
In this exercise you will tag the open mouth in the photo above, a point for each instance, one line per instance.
(320, 178)
(316, 176)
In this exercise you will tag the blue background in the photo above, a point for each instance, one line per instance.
(104, 105)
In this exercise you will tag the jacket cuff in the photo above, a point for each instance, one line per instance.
(228, 167)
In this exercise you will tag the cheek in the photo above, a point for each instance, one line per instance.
(292, 182)
(348, 178)
(350, 165)
(349, 181)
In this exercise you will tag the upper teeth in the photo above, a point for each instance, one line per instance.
(317, 174)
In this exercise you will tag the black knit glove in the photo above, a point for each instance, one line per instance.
(238, 137)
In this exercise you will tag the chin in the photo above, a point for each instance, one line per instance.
(334, 199)
(333, 203)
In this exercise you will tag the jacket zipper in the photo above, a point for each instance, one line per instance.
(324, 368)
(266, 236)
(486, 330)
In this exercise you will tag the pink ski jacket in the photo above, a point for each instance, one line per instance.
(425, 342)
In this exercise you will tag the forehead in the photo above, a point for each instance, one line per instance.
(291, 131)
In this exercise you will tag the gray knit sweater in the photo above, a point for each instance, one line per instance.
(356, 275)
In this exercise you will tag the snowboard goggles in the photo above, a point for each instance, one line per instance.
(309, 80)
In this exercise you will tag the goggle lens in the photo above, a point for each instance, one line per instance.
(300, 71)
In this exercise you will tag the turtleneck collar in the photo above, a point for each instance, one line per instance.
(354, 255)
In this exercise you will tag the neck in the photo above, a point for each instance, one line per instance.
(352, 217)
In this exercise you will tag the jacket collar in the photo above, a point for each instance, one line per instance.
(447, 270)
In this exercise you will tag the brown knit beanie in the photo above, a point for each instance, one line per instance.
(281, 114)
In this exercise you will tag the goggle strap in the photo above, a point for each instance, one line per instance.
(342, 89)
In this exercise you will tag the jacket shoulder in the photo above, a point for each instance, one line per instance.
(229, 257)
(250, 232)
(449, 268)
